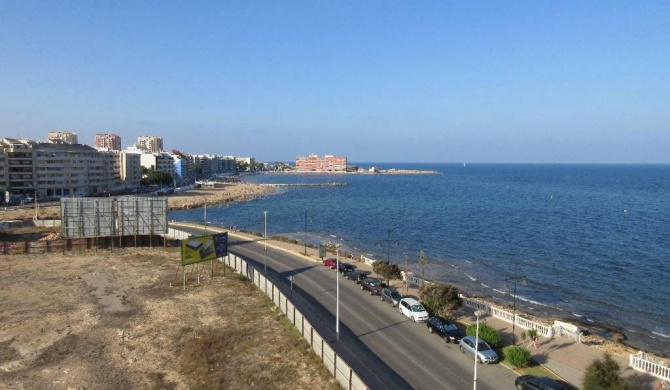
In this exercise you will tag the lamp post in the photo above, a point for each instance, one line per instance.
(388, 241)
(265, 237)
(337, 294)
(523, 282)
(478, 313)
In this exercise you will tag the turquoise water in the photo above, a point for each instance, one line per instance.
(592, 240)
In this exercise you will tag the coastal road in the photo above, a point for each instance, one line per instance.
(382, 345)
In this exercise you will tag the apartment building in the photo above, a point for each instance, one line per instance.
(130, 169)
(49, 170)
(62, 137)
(17, 171)
(107, 141)
(182, 168)
(150, 143)
(327, 163)
(161, 162)
(205, 166)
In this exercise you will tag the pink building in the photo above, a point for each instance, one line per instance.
(327, 163)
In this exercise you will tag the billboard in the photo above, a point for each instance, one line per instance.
(203, 248)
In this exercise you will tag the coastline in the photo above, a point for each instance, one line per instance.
(604, 336)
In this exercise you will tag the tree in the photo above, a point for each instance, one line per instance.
(386, 270)
(604, 375)
(439, 299)
(423, 260)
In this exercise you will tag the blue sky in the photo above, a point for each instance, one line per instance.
(386, 81)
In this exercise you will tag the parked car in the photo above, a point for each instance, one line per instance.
(390, 295)
(444, 329)
(345, 267)
(532, 382)
(373, 285)
(356, 276)
(485, 354)
(413, 309)
(330, 262)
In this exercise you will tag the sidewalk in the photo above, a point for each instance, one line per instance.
(566, 358)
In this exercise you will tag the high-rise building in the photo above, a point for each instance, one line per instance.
(62, 137)
(107, 141)
(150, 143)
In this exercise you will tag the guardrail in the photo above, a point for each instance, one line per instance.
(337, 367)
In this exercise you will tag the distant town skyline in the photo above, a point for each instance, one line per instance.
(524, 82)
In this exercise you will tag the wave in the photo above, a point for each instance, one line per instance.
(659, 333)
(471, 277)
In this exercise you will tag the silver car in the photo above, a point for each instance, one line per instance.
(485, 354)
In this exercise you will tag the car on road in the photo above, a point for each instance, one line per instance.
(373, 285)
(532, 382)
(390, 295)
(345, 268)
(485, 354)
(444, 329)
(413, 309)
(330, 262)
(356, 276)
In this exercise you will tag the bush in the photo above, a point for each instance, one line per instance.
(604, 375)
(439, 299)
(486, 333)
(516, 356)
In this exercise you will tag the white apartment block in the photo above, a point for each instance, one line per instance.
(161, 162)
(62, 137)
(150, 143)
(49, 170)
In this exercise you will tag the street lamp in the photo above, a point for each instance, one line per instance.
(305, 240)
(265, 237)
(478, 313)
(337, 294)
(388, 241)
(523, 282)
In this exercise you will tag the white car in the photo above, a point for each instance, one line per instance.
(413, 309)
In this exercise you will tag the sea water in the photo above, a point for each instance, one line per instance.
(591, 242)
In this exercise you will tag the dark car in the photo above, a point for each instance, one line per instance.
(444, 329)
(373, 285)
(345, 268)
(532, 382)
(356, 276)
(390, 295)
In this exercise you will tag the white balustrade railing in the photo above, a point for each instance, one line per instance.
(641, 362)
(507, 316)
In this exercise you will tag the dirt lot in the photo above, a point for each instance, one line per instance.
(111, 321)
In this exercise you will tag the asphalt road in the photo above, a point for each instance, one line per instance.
(384, 347)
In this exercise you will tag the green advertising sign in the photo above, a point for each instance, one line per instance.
(322, 251)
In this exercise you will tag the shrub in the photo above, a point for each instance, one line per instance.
(604, 375)
(439, 299)
(486, 333)
(516, 356)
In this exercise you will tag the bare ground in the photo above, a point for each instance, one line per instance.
(111, 320)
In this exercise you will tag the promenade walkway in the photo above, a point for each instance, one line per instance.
(566, 358)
